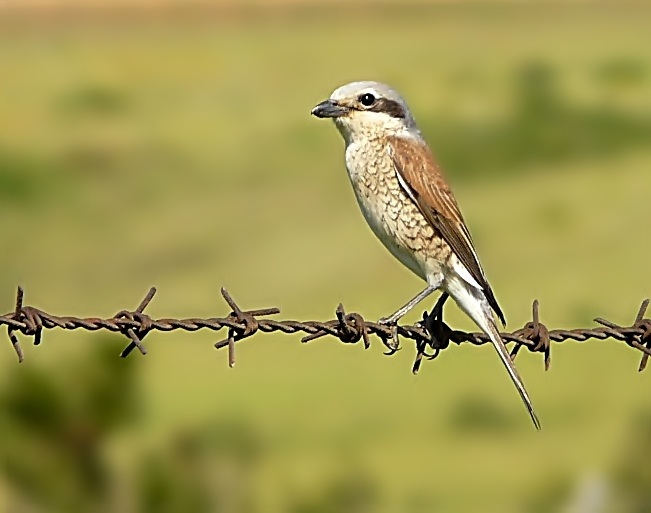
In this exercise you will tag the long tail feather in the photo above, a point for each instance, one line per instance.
(472, 301)
(503, 353)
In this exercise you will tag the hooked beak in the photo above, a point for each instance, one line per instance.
(329, 109)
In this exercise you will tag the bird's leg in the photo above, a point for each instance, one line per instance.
(433, 322)
(401, 312)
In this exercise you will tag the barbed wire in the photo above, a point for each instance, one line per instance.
(429, 334)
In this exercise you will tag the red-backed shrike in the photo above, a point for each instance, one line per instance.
(410, 207)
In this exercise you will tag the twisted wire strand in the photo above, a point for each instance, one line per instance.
(429, 334)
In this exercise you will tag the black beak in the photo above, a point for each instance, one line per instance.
(329, 109)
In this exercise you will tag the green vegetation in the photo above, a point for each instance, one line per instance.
(180, 153)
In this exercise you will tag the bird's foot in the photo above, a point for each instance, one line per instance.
(434, 325)
(392, 343)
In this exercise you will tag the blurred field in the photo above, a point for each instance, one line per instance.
(180, 153)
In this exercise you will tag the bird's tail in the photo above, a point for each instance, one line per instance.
(498, 343)
(473, 302)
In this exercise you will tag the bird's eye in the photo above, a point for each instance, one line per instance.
(367, 99)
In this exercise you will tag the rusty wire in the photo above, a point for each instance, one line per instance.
(430, 333)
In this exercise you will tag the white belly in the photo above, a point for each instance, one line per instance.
(379, 209)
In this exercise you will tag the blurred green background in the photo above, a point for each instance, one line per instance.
(173, 146)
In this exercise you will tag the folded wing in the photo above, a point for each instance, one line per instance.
(420, 176)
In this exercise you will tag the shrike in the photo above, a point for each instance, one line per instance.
(410, 207)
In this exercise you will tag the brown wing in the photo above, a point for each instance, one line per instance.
(420, 175)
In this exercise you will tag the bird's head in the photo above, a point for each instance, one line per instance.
(366, 109)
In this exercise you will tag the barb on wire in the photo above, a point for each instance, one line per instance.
(432, 332)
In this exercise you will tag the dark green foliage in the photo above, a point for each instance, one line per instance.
(23, 178)
(58, 424)
(93, 100)
(545, 128)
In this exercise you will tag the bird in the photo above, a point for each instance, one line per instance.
(410, 207)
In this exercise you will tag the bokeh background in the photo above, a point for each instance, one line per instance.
(170, 144)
